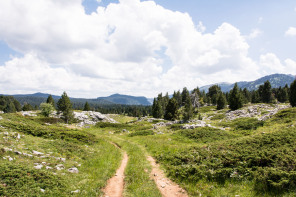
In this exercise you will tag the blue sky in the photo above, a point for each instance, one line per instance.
(93, 48)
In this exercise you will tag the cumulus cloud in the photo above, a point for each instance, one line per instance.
(291, 31)
(116, 49)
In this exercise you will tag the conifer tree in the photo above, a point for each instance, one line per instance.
(292, 98)
(235, 98)
(65, 106)
(188, 111)
(171, 110)
(50, 100)
(221, 102)
(9, 108)
(86, 107)
(213, 93)
(266, 92)
(185, 95)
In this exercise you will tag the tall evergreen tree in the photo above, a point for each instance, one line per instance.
(188, 110)
(221, 102)
(27, 107)
(65, 106)
(171, 110)
(292, 98)
(213, 93)
(157, 111)
(235, 98)
(266, 92)
(185, 95)
(86, 107)
(50, 100)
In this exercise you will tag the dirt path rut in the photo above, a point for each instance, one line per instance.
(165, 185)
(115, 184)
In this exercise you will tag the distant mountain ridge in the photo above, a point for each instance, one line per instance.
(37, 98)
(276, 80)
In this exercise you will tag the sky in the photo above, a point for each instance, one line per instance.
(93, 48)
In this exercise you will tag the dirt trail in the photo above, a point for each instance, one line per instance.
(115, 184)
(165, 185)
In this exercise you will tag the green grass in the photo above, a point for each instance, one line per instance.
(96, 162)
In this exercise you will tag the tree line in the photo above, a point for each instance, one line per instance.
(184, 105)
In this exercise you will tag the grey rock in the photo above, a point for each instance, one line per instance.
(73, 170)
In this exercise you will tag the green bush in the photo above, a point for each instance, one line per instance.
(19, 180)
(268, 159)
(141, 133)
(284, 116)
(207, 134)
(247, 123)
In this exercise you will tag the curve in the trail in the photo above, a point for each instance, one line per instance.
(165, 185)
(115, 184)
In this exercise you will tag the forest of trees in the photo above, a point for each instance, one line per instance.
(184, 105)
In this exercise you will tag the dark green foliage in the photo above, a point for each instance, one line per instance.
(188, 109)
(178, 97)
(9, 108)
(157, 111)
(86, 107)
(207, 134)
(171, 110)
(50, 100)
(266, 92)
(141, 133)
(247, 97)
(292, 97)
(65, 106)
(9, 105)
(112, 125)
(221, 102)
(185, 96)
(20, 180)
(213, 94)
(235, 98)
(27, 107)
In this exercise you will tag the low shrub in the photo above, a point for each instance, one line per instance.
(141, 133)
(19, 180)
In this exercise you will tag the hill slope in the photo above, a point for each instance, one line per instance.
(276, 80)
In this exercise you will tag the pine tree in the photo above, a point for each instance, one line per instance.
(17, 105)
(266, 92)
(86, 107)
(235, 98)
(184, 95)
(9, 108)
(213, 93)
(157, 111)
(171, 110)
(221, 102)
(50, 100)
(188, 111)
(292, 98)
(65, 106)
(27, 107)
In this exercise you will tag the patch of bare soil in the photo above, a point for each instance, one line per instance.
(165, 185)
(115, 184)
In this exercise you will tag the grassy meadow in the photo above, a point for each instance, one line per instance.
(245, 156)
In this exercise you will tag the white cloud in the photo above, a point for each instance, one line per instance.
(254, 33)
(200, 27)
(260, 20)
(291, 31)
(116, 49)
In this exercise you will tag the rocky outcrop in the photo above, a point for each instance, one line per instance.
(29, 113)
(260, 111)
(91, 118)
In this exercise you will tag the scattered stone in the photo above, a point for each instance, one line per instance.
(18, 153)
(29, 113)
(48, 168)
(1, 112)
(42, 190)
(73, 170)
(1, 118)
(9, 158)
(91, 118)
(38, 167)
(37, 153)
(76, 191)
(28, 155)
